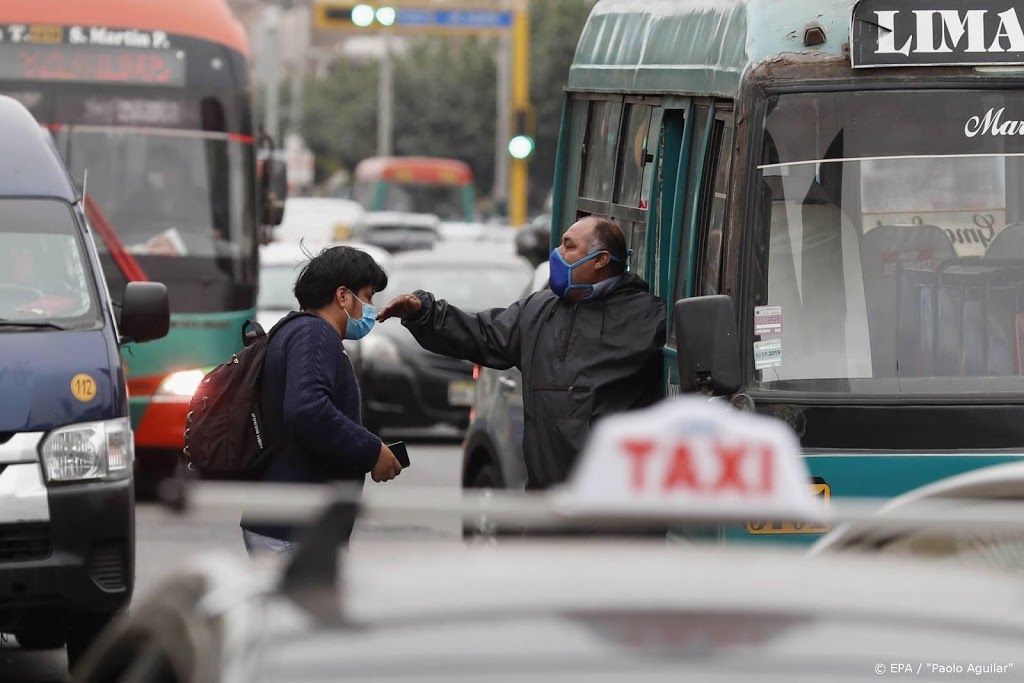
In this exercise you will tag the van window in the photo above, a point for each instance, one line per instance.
(44, 275)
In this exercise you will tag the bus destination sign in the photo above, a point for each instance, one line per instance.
(936, 33)
(89, 54)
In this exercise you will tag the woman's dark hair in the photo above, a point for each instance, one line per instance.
(337, 267)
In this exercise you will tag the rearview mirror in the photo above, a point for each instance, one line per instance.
(273, 187)
(145, 312)
(708, 353)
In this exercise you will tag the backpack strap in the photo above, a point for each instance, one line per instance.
(252, 335)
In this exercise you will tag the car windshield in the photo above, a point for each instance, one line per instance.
(471, 287)
(896, 254)
(44, 275)
(276, 285)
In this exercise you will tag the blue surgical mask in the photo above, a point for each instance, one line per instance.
(357, 329)
(560, 278)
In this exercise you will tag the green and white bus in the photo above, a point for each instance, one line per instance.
(832, 188)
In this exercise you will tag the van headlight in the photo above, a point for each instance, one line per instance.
(89, 450)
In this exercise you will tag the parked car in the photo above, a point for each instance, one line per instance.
(318, 219)
(395, 231)
(404, 385)
(492, 451)
(280, 264)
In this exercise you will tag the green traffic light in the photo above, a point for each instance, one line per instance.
(520, 147)
(362, 15)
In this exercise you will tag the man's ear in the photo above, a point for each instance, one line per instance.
(603, 260)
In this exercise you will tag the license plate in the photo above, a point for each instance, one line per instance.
(461, 393)
(820, 490)
(342, 232)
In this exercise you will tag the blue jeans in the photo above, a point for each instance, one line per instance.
(258, 543)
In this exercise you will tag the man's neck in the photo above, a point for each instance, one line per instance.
(326, 315)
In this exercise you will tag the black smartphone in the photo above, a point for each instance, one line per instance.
(398, 448)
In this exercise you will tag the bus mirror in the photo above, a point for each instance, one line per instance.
(274, 188)
(707, 344)
(145, 312)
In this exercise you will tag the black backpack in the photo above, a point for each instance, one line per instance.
(225, 436)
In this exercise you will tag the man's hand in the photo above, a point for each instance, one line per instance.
(404, 306)
(387, 467)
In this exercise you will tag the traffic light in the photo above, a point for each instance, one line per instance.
(346, 15)
(521, 145)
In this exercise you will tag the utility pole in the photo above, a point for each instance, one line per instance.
(502, 132)
(298, 81)
(385, 99)
(520, 164)
(272, 96)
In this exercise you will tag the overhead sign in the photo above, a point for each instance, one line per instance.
(694, 459)
(936, 32)
(462, 19)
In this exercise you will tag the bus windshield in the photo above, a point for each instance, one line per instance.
(178, 202)
(444, 201)
(896, 242)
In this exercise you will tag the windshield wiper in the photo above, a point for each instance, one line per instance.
(43, 324)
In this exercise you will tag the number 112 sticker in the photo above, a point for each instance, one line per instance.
(767, 319)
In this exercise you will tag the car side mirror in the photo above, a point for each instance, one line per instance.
(145, 312)
(273, 188)
(708, 353)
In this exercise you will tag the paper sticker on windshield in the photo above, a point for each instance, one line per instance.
(767, 354)
(908, 259)
(767, 319)
(83, 387)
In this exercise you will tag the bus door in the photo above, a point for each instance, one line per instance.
(695, 229)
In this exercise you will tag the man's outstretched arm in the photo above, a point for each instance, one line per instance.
(490, 338)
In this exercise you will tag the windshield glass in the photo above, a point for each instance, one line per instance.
(444, 201)
(180, 202)
(276, 287)
(896, 242)
(466, 286)
(44, 275)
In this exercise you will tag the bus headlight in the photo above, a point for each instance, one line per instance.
(90, 450)
(179, 386)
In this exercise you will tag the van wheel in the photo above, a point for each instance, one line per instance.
(84, 629)
(481, 530)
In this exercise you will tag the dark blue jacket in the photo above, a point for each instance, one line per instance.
(311, 410)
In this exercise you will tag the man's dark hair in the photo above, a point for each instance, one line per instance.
(607, 236)
(337, 267)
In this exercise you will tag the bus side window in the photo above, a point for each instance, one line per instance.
(713, 206)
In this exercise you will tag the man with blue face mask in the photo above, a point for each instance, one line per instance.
(309, 393)
(588, 346)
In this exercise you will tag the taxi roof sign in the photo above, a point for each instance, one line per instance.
(691, 458)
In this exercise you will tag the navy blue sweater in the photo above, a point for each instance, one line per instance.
(310, 406)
